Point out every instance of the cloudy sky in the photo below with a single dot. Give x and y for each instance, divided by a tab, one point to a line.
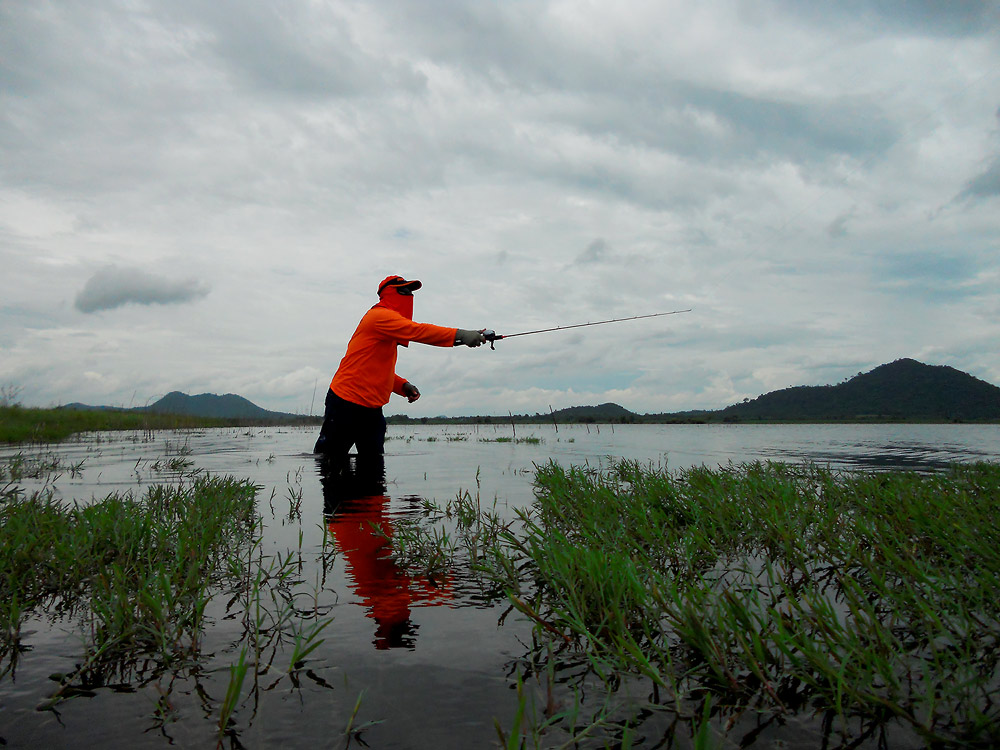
203	196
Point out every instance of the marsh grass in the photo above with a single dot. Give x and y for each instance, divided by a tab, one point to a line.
49	466
748	594
281	626
135	571
460	533
529	440
19	424
136	574
463	437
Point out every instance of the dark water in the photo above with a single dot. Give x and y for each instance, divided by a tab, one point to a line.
426	658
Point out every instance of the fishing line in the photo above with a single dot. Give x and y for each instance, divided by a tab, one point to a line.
493	336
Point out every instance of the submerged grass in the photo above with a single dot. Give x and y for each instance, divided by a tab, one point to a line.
136	571
529	440
137	575
760	591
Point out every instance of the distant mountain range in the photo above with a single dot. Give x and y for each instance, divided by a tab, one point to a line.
229	406
898	391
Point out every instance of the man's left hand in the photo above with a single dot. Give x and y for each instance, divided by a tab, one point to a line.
411	392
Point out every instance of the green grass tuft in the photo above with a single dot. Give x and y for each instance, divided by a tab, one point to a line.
865	599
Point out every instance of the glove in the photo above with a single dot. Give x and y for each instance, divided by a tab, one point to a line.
411	392
469	338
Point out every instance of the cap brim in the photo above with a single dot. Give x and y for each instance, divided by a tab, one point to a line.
411	285
401	283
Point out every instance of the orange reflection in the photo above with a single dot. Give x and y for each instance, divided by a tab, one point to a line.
356	513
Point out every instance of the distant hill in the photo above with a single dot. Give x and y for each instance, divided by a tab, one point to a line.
77	406
602	413
229	406
904	389
898	391
901	390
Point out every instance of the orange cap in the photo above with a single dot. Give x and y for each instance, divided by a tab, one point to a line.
398	282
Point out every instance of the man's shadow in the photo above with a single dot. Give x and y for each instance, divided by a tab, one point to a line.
356	514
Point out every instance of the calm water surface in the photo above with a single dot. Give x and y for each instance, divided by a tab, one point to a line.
428	659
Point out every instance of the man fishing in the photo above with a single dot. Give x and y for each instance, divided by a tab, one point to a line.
367	375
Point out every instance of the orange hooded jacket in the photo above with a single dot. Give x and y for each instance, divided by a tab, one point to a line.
367	373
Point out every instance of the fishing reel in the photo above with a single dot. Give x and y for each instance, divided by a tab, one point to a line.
491	336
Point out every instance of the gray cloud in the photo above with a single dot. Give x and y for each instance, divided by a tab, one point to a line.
673	119
956	18
596	252
985	185
292	49
838	227
113	287
934	275
637	98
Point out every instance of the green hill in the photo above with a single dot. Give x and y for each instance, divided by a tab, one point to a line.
209	405
229	406
602	413
904	389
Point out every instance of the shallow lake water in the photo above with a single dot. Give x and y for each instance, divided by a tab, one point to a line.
428	660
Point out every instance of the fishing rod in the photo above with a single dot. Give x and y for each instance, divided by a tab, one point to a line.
492	336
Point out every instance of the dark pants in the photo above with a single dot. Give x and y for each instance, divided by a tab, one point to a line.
346	424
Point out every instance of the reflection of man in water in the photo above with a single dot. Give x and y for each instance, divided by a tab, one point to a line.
355	508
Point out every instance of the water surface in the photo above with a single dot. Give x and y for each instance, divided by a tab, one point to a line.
427	658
